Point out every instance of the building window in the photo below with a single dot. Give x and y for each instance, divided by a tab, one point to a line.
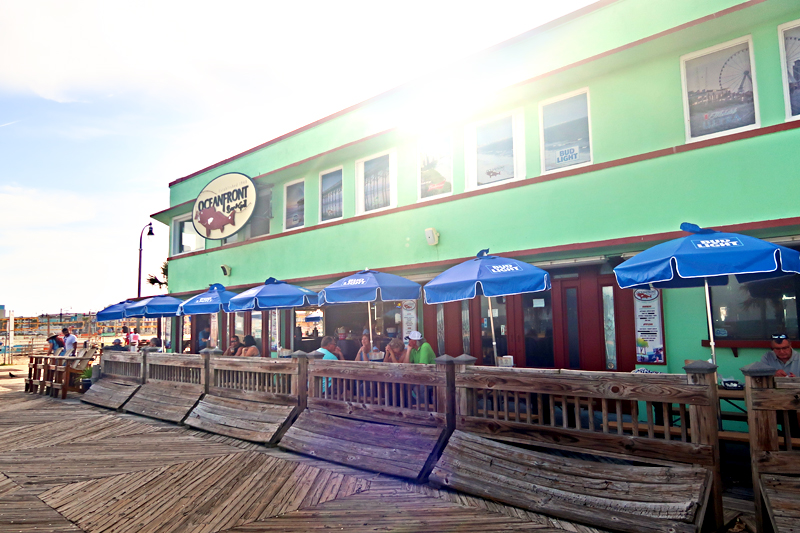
184	237
495	150
789	35
435	167
719	90
259	221
330	195
375	183
756	309
565	131
294	206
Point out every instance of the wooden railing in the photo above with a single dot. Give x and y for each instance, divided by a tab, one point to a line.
773	401
406	393
256	379
175	368
501	401
653	417
124	366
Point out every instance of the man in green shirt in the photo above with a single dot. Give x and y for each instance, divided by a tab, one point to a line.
419	350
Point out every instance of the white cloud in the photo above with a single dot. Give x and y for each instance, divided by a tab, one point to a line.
66	250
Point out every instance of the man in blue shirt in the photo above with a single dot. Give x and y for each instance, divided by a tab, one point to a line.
203	338
331	352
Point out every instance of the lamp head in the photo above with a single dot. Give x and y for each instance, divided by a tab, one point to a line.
150	230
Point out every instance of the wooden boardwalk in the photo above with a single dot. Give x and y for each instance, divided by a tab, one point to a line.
69	467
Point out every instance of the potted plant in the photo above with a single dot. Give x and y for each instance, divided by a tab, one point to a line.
86	379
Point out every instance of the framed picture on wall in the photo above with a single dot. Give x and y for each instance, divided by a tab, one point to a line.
294	209
330	195
719	90
789	35
435	167
565	131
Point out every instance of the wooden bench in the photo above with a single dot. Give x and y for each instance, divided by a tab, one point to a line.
387	418
121	375
664	482
67	374
250	398
173	384
775	462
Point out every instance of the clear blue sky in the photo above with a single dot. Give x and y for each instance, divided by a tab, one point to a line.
103	103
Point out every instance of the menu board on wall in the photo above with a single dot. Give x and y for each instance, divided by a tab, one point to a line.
409	317
649	327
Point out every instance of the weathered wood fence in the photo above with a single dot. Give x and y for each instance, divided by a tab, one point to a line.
775	462
660	419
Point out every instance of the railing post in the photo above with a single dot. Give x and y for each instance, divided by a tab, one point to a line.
762	426
705	426
205	379
464	395
300	385
446	396
144	376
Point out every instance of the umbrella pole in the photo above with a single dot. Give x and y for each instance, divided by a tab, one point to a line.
369	320
710	324
292	326
491	324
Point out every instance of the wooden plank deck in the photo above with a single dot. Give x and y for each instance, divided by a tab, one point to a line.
69	467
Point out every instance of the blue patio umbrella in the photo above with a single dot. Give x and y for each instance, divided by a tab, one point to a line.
114	312
155	307
706	257
490	276
214	300
273	294
369	286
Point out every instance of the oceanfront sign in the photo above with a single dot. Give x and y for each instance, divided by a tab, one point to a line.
224	206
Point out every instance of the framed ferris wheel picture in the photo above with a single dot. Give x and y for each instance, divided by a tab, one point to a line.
719	90
789	37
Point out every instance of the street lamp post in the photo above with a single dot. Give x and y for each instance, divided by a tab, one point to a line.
149	228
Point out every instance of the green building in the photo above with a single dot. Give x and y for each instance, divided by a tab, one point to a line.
572	146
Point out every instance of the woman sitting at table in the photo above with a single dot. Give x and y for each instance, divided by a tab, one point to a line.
250	349
394	351
365	350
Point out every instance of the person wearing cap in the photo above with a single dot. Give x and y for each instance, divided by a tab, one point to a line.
782	357
116	346
419	350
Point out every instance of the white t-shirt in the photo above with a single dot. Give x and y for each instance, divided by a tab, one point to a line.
69	343
134	339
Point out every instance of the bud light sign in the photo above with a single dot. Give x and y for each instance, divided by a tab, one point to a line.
498	269
702	244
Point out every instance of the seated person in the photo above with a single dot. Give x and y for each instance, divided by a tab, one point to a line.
250	349
365	350
116	346
419	350
234	348
155	342
329	349
395	351
782	357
